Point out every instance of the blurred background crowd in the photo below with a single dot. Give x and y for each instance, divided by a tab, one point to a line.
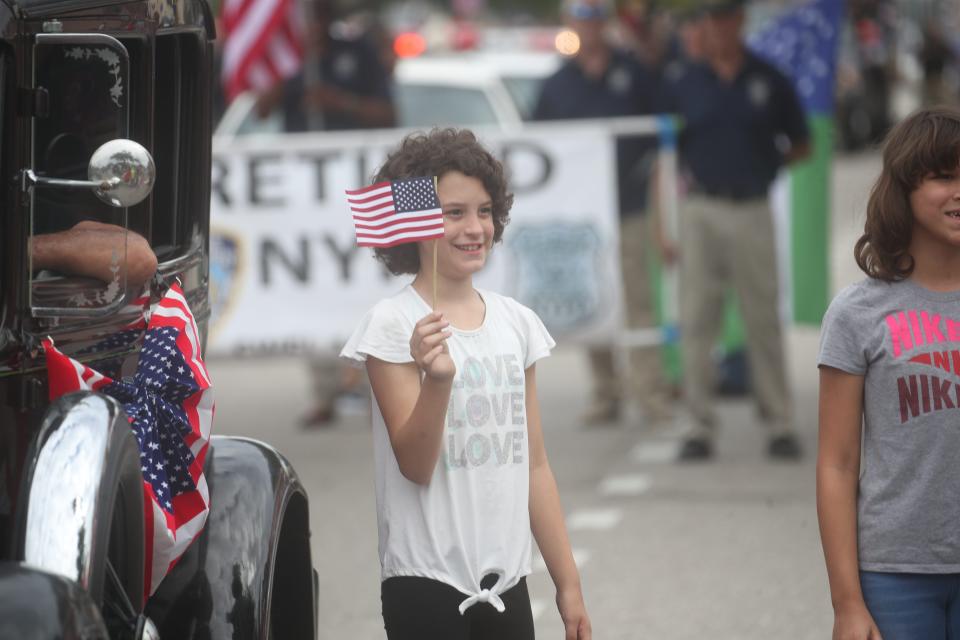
893	56
298	66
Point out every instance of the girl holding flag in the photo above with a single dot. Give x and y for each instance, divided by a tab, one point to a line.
462	476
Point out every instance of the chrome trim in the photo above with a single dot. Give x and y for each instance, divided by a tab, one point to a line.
146	630
63	502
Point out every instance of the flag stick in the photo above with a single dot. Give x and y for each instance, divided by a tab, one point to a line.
435	247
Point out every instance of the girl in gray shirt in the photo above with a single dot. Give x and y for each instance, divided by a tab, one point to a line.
888	478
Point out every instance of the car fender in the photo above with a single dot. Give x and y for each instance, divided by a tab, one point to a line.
249	574
37	605
71	481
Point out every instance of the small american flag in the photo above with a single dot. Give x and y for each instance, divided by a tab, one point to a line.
390	213
170	406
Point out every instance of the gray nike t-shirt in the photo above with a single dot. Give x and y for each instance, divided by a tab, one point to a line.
905	341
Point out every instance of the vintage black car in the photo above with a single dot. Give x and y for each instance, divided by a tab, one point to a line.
76	75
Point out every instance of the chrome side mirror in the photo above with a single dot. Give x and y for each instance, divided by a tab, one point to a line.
121	173
126	169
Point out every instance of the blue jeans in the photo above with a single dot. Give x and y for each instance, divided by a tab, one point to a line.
913	606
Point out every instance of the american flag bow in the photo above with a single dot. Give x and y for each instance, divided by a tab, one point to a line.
170	406
262	45
390	213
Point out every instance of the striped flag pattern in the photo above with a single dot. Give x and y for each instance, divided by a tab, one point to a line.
263	44
169	404
390	213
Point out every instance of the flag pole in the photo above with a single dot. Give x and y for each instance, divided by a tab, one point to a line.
435	301
435	247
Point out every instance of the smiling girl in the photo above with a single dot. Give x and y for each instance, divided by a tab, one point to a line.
462	476
890	387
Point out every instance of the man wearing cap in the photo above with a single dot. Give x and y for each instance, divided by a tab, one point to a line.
600	81
742	122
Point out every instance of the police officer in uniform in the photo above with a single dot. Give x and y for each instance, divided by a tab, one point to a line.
601	81
342	85
742	122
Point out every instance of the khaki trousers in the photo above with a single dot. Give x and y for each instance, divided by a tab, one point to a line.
644	382
724	243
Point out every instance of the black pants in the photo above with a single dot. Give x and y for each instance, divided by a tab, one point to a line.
425	609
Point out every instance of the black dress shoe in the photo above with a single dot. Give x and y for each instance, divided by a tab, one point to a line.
785	447
319	418
694	449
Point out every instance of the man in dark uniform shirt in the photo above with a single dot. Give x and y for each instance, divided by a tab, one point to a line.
601	81
342	85
742	122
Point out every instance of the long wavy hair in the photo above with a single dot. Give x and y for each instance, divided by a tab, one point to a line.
926	142
435	153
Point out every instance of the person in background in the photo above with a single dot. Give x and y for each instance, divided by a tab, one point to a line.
875	43
742	123
887	473
645	30
344	84
601	81
684	48
937	57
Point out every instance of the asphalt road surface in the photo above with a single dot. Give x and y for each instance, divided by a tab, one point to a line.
727	550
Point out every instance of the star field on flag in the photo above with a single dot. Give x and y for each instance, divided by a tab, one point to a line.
169	404
802	43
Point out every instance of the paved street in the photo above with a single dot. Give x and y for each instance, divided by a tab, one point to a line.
727	550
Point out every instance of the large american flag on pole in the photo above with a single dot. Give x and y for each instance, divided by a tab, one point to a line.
262	44
390	213
170	406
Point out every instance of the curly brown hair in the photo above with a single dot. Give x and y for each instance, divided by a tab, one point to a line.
435	153
926	142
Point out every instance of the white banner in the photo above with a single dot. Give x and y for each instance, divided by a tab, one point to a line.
286	274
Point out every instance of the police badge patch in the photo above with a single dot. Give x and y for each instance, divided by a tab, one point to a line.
758	89
558	273
226	251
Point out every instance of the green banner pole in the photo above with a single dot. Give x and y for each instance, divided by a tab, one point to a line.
810	184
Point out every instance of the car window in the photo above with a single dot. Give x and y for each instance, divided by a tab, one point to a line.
88	90
524	91
427	105
86	79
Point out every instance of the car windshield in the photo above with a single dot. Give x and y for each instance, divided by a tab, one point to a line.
426	105
524	91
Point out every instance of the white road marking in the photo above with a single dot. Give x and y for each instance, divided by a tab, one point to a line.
538	606
594	519
625	485
580	558
657	451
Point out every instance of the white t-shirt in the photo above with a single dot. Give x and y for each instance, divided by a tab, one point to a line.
472	519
